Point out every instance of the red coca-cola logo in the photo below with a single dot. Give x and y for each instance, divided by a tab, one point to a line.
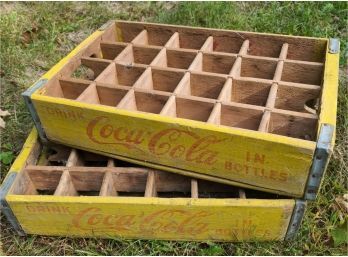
162	221
167	142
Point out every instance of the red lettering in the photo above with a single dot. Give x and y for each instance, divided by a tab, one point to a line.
106	131
283	176
273	175
177	151
113	135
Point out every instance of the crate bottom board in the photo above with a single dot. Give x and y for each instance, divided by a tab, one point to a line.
151	218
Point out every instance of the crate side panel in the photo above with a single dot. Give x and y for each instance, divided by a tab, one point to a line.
29	152
328	112
218	153
175	219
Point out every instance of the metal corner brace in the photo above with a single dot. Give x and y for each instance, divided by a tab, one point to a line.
5	208
320	161
27	99
334	45
296	219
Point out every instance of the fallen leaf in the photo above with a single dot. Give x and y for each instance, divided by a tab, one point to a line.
27	36
342	202
3	114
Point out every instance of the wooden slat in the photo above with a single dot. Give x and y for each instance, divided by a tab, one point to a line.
263	127
169	109
208	45
215	115
226	92
160	59
111	163
66	186
272	96
197	64
173	42
110	50
278	71
241	193
194	188
128	101
284	51
126	56
141	38
245	47
280	65
107	188
150	190
74	159
23	185
236	68
90	95
145	80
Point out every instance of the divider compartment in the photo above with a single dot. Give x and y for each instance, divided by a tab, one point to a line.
249	92
227	44
137	54
121	75
258	68
66	88
293	125
110	50
152	36
239	116
186	40
159	79
191	109
260	46
299	98
201	85
174	58
214	63
303	73
89	68
144	102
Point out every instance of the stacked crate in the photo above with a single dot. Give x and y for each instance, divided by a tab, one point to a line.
252	111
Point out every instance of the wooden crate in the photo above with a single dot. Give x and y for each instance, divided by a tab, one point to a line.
56	190
248	109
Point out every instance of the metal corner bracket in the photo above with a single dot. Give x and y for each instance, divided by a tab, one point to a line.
334	45
5	208
296	219
27	99
320	161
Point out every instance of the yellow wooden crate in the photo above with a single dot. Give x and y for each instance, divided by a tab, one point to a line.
247	109
59	191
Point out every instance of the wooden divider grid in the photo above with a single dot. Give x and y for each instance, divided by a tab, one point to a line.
201	78
86	174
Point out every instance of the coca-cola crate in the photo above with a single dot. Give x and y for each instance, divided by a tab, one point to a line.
59	191
248	109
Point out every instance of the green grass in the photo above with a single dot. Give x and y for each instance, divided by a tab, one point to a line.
34	36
